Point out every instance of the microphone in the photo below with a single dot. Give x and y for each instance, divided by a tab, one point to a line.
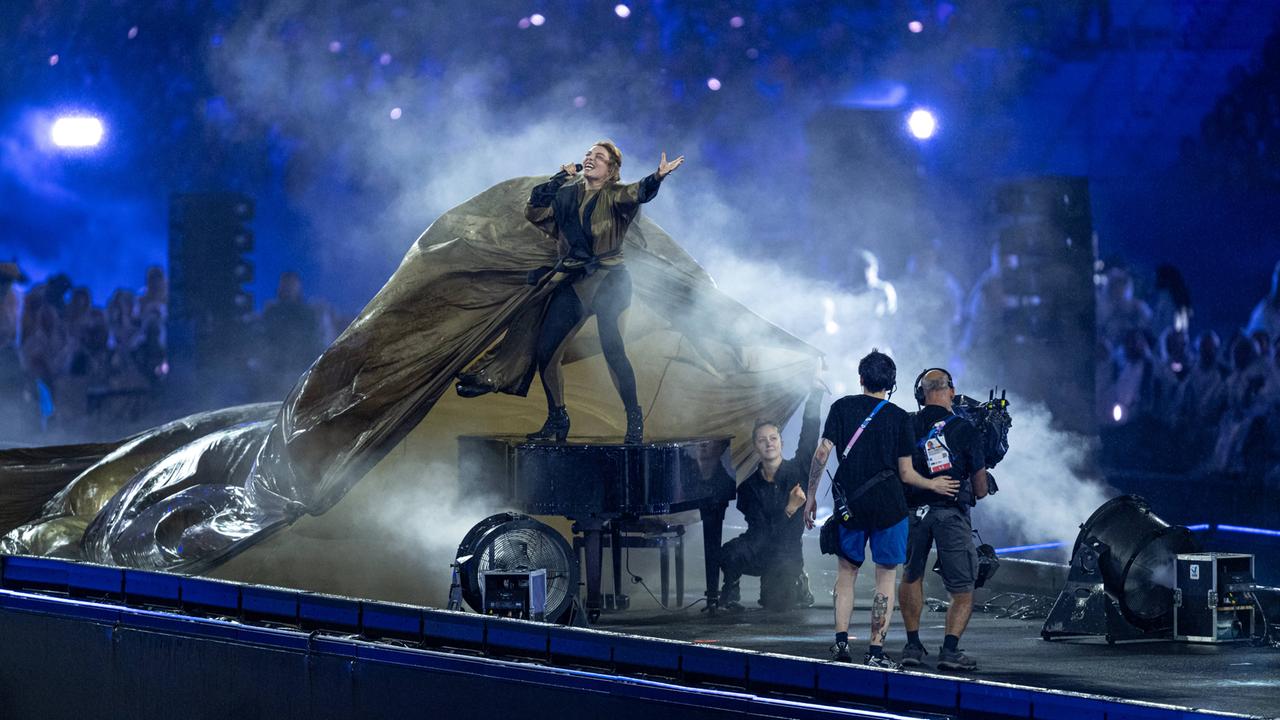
578	166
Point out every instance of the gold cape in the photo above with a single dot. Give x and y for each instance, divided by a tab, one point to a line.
705	365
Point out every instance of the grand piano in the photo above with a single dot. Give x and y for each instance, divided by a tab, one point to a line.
600	484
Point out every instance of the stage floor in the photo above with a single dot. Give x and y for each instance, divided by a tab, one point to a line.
1233	677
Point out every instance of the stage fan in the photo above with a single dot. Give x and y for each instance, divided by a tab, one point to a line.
511	542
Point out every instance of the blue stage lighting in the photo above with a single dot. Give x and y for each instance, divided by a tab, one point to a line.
1026	548
77	131
1248	530
922	124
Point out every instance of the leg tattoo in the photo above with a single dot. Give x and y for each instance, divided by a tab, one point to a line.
879	618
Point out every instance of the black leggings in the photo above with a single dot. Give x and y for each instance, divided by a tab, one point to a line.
566	313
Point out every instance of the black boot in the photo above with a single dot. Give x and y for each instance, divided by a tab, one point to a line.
470	386
555	428
635	426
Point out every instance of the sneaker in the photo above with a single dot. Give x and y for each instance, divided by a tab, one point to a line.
913	655
804	596
881	661
840	652
730	593
956	660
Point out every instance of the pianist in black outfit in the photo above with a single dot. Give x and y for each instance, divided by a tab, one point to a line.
771	500
588	212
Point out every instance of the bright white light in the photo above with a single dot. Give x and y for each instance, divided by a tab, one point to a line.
1117	413
829	316
395	113
915	26
622	11
536	20
77	132
713	83
53	60
922	124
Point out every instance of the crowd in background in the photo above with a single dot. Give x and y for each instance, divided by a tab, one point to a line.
71	368
1171	399
1182	400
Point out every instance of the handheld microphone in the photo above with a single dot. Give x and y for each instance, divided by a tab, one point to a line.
578	166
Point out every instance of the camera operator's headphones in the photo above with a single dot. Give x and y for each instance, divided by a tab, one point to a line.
919	383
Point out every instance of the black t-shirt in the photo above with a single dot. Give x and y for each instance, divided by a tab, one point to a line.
965	446
886	439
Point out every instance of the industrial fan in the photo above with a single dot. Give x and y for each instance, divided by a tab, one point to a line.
511	542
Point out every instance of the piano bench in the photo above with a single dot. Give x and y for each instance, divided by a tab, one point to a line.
644	533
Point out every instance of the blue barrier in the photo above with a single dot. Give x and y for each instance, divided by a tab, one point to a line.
27	581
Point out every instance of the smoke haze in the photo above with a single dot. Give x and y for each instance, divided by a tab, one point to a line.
370	168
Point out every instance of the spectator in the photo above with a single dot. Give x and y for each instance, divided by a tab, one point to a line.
1204	393
47	350
1247	405
77	311
1119	312
153	307
1172	307
295	335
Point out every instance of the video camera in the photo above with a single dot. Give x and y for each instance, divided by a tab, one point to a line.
993	421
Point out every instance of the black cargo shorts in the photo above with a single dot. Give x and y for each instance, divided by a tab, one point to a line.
950	529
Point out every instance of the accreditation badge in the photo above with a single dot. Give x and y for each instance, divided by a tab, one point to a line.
936	454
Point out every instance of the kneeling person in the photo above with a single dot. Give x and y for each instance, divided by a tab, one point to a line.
771	499
951	445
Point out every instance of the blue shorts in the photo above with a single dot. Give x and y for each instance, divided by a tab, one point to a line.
888	546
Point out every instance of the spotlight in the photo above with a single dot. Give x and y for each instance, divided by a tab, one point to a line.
915	26
53	59
1117	413
78	131
621	10
713	83
396	113
736	21
1121	582
537	20
922	124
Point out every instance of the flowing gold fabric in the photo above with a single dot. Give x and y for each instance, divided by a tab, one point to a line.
704	365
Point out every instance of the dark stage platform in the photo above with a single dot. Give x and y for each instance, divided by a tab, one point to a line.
1233	678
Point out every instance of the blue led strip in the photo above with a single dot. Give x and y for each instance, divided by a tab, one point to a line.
1194	528
1025	548
1248	530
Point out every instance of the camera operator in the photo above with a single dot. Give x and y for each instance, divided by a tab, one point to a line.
950	445
771	499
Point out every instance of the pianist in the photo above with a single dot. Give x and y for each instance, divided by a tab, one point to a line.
771	499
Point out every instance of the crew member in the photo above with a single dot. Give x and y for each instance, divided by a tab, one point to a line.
771	499
874	440
944	444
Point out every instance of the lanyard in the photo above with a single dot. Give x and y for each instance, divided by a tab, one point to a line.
934	431
858	433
